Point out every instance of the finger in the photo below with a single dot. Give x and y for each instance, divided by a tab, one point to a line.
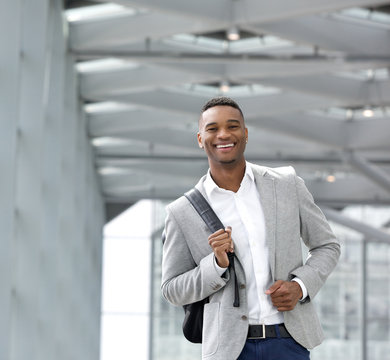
218	232
215	243
280	292
287	290
280	300
284	308
220	237
228	230
221	254
275	286
221	248
286	303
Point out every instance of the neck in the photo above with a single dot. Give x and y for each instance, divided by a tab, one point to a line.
228	177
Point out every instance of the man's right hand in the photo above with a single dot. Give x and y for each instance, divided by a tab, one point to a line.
221	243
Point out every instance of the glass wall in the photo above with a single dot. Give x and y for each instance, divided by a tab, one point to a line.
126	284
354	304
167	341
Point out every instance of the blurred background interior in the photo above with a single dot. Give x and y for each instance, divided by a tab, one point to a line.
99	103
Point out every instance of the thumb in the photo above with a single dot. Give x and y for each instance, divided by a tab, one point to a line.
275	286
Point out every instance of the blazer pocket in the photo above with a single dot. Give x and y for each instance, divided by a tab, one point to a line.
210	339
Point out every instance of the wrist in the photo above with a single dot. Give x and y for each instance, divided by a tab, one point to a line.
299	286
222	263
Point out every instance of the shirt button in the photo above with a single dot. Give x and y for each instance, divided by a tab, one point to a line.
243	317
242	286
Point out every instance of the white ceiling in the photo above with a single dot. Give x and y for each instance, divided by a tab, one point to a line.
303	71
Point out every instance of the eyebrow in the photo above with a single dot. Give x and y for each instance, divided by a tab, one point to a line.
230	120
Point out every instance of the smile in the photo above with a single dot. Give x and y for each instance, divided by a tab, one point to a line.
224	146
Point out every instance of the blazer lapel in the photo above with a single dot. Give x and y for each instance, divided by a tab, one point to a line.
266	187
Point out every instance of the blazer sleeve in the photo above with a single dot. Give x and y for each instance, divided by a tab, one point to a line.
324	248
184	281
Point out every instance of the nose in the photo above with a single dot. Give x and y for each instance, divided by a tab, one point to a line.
223	133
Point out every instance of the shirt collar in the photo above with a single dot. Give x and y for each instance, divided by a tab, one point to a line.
210	186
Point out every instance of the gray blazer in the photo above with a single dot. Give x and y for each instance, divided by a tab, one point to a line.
189	275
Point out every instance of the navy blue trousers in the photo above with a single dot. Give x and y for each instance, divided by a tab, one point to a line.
273	349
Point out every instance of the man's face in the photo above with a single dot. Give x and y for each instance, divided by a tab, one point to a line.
222	134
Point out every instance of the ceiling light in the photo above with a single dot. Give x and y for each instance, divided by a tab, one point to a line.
368	112
370	74
224	87
349	114
233	34
331	178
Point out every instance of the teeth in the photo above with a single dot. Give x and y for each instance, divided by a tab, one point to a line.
224	146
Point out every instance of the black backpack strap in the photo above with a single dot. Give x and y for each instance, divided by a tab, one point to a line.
204	209
208	215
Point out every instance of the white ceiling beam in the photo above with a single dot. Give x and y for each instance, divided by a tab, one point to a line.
352	189
350	90
245	69
163	99
373	172
369	232
217	57
332	32
157	166
141	184
169	136
138	149
250	11
370	134
200	9
282	103
112	82
358	135
273	73
304	127
286	102
273	70
126	80
245	11
120	123
121	30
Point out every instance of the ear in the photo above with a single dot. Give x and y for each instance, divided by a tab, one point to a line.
246	134
200	140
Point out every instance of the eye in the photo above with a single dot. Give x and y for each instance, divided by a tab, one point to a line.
211	129
233	127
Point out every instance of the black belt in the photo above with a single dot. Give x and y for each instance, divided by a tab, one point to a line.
267	331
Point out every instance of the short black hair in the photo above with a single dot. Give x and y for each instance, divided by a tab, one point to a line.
221	101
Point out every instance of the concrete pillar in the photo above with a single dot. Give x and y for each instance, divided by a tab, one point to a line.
52	210
10	30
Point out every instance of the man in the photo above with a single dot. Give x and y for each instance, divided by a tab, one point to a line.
266	213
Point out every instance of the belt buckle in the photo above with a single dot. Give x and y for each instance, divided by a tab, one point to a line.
263	326
259	337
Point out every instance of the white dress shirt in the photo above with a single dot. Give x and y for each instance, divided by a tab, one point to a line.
242	211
